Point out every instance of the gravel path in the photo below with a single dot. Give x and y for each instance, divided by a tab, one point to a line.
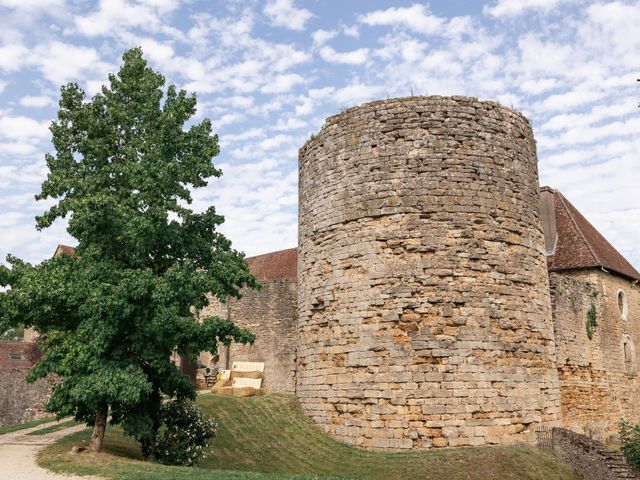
18	454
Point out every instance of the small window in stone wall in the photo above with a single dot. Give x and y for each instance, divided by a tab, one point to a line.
629	352
622	304
16	356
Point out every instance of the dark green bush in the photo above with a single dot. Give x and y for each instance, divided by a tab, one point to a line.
183	435
630	440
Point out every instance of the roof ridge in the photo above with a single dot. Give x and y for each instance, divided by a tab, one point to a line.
271	253
578	229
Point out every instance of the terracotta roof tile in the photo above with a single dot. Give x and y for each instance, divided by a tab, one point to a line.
280	265
64	250
579	244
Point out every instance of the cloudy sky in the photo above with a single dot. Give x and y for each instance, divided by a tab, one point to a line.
268	73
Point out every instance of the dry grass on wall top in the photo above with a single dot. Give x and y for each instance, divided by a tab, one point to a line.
269	438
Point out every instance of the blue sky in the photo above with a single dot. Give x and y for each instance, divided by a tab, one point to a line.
268	73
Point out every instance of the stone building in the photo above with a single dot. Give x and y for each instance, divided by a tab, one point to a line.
443	298
438	297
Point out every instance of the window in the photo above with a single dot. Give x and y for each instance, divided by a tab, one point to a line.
629	352
622	304
16	356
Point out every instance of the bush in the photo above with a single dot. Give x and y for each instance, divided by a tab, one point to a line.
183	434
630	439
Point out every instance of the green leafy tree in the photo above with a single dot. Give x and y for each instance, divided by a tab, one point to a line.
111	315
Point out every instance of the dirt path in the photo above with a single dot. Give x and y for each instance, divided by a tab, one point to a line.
18	454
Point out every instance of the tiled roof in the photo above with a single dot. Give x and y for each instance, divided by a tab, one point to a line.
578	244
15	354
280	265
64	249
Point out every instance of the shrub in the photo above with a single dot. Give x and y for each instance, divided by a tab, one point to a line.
630	440
183	434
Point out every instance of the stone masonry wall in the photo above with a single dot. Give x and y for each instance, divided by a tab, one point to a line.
21	401
271	314
589	457
597	386
424	308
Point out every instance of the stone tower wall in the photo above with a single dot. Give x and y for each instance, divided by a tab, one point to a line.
423	300
597	386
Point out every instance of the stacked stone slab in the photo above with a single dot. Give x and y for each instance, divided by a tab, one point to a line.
424	308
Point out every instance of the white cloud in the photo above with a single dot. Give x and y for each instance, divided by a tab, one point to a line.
283	13
579	96
275	142
538	56
357	93
354	57
117	17
351	31
596	114
320	37
33	5
13	57
512	8
62	62
8	219
283	83
539	85
227	119
290	124
591	134
243	136
36	101
18	148
417	18
23	128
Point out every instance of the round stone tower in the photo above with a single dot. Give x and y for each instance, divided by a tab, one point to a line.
424	311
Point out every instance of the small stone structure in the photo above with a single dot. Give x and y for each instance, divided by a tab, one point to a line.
270	313
20	401
589	457
244	379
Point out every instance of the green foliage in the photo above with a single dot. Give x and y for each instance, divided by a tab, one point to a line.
592	321
13	333
630	440
111	315
183	435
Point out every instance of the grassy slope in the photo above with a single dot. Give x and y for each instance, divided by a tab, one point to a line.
23	426
271	435
55	427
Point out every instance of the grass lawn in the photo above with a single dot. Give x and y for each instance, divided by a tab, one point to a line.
269	438
23	426
55	427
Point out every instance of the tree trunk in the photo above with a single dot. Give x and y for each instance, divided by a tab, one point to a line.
95	445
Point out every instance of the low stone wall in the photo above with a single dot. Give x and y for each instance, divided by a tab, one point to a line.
21	401
269	313
589	457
